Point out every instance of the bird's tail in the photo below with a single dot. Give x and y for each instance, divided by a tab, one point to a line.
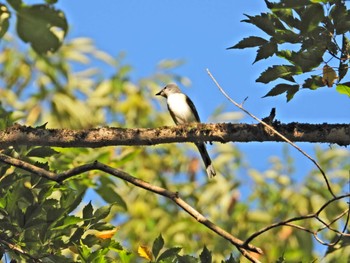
206	159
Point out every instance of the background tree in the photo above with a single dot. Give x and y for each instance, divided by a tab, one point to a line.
43	221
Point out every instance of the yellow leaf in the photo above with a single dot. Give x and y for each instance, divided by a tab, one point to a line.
145	252
329	76
107	233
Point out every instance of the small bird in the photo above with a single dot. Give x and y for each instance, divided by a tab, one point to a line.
182	110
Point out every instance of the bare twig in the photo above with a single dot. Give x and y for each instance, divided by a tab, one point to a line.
272	129
304	217
242	246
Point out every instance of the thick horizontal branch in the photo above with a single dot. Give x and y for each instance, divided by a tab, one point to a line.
221	132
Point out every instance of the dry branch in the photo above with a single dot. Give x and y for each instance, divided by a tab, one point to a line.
221	132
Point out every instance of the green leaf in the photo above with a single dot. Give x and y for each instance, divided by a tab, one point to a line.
279	89
263	21
251	41
4	19
186	259
286	15
70	201
305	60
311	18
231	259
205	256
42	26
286	36
266	50
42	126
88	211
42	152
288	4
291	92
75	238
102	212
68	221
169	253
125	256
344	88
340	16
343	69
314	82
279	71
107	191
157	245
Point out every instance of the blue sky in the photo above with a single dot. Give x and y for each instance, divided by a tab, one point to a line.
198	32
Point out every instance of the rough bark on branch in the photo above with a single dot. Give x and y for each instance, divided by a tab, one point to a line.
221	132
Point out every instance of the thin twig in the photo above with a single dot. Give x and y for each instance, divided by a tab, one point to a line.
242	246
299	218
274	131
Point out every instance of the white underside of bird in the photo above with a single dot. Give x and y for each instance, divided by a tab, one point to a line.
178	105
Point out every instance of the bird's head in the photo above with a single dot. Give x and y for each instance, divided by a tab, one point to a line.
169	89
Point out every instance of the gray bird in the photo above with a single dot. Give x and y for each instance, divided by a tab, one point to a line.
182	110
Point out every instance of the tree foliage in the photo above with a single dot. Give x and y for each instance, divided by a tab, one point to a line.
94	217
307	36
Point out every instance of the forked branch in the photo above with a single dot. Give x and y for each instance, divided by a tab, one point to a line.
242	246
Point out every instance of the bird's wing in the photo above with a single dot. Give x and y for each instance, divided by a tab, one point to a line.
193	108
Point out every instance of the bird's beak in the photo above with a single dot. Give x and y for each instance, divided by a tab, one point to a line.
160	93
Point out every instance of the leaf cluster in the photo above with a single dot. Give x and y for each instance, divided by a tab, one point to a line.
37	224
41	25
304	34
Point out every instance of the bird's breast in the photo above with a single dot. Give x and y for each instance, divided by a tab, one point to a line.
179	109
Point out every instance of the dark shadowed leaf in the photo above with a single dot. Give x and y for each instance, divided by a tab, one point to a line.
231	259
266	50
87	211
312	16
186	259
345	51
286	15
291	92
340	16
157	245
263	21
343	69
42	152
249	42
169	253
102	212
283	4
279	71
205	256
42	26
286	36
314	82
279	89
